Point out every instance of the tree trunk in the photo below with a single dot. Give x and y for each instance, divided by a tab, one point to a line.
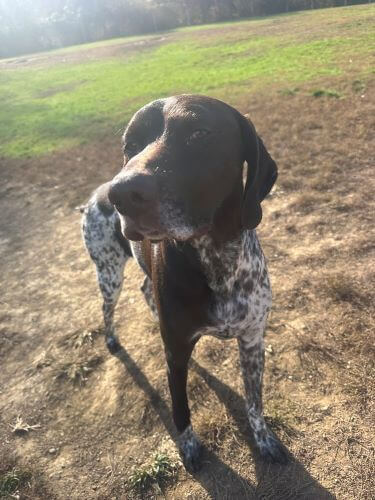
187	14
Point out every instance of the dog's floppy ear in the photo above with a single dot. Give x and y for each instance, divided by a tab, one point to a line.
261	174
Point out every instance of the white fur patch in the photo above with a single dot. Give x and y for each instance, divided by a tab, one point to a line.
237	274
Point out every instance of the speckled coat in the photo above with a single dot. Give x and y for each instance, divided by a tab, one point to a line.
236	273
179	207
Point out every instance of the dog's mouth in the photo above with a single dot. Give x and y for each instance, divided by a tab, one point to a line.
137	231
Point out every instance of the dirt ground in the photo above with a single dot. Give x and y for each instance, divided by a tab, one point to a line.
81	421
84	54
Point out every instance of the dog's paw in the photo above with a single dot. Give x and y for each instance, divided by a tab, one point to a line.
272	451
190	450
113	344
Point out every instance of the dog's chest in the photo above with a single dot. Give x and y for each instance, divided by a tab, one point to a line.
237	275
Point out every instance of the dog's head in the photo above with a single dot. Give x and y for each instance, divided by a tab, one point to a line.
183	162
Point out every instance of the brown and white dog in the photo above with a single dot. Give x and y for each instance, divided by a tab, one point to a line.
180	208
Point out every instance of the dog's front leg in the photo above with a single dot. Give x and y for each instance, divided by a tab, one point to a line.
251	349
177	361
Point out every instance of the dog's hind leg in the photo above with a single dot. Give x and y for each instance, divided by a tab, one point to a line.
100	229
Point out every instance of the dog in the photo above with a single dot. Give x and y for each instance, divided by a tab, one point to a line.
179	206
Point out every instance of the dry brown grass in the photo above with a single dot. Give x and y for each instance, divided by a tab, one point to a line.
344	288
76	370
319	388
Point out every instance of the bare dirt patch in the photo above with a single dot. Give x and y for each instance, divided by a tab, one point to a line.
83	55
95	420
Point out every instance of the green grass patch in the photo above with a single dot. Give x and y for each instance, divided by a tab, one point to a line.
358	86
44	109
154	476
325	93
12	481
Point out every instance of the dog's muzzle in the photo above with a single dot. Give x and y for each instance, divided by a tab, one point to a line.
136	199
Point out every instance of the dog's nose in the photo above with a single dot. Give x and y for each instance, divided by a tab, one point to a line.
133	195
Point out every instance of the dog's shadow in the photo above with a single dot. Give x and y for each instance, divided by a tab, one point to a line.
275	482
290	482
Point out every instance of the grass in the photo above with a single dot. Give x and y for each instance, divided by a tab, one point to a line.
326	93
154	475
22	427
44	109
343	288
85	46
358	86
281	419
308	201
11	481
76	370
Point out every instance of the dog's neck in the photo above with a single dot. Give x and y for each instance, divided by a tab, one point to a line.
226	249
223	265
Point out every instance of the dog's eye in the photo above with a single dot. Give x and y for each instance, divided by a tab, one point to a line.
130	147
198	134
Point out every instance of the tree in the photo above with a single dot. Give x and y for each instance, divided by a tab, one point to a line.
32	25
